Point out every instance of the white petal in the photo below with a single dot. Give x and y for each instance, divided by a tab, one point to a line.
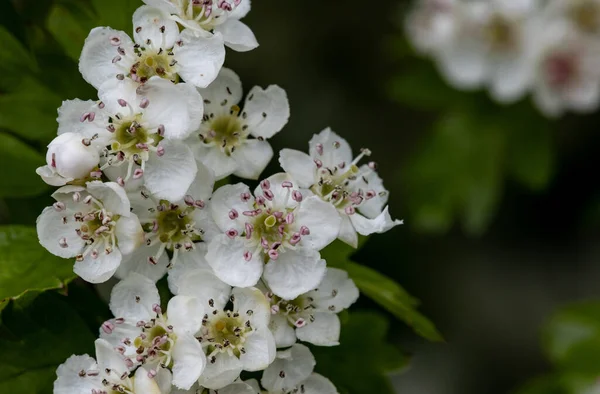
148	23
69	119
202	187
380	224
164	5
95	63
226	257
225	370
252	299
225	199
255	386
118	333
347	232
237	36
163	379
98	270
321	218
281	195
68	380
260	350
187	264
283	332
185	314
51	230
145	384
323	331
204	220
171	105
134	297
188	361
238	388
317	384
113	90
241	10
130	235
51	177
113	197
297	363
336	150
170	176
252	158
223	92
294	272
200	58
109	358
212	157
373	207
299	166
137	262
335	293
268	110
70	157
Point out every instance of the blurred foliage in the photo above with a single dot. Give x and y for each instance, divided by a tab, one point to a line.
474	145
571	341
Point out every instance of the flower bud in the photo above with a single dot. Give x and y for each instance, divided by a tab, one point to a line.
70	157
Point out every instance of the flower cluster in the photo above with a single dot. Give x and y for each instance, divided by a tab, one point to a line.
136	170
549	48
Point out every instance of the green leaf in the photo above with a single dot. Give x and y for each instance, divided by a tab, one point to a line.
14	58
38	334
360	364
116	13
30	111
69	28
542	385
18	163
381	289
25	265
531	154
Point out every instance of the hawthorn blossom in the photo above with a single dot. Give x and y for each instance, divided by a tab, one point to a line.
278	226
83	374
70	157
208	17
145	335
170	226
312	317
331	173
431	23
139	131
158	49
291	373
93	224
224	142
567	71
582	15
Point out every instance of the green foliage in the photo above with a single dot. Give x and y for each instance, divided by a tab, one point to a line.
360	364
381	289
25	265
38	333
18	163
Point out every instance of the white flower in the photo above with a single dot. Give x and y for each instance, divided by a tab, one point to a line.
82	374
491	44
141	132
312	317
331	174
280	227
69	157
431	24
567	70
234	388
583	15
236	340
92	224
158	50
144	335
224	144
208	17
173	226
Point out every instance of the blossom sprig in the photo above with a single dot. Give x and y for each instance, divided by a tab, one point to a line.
512	47
137	170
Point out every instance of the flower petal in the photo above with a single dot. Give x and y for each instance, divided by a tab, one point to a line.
69	119
212	157
294	272
170	176
260	350
228	198
299	166
380	224
113	90
108	358
347	232
335	149
113	197
323	331
268	110
144	383
185	314
237	36
283	332
51	177
95	63
154	24
223	371
241	10
68	380
130	234
188	361
252	158
98	270
317	384
223	92
336	292
321	218
200	58
137	261
226	257
252	299
297	363
134	297
203	185
52	230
